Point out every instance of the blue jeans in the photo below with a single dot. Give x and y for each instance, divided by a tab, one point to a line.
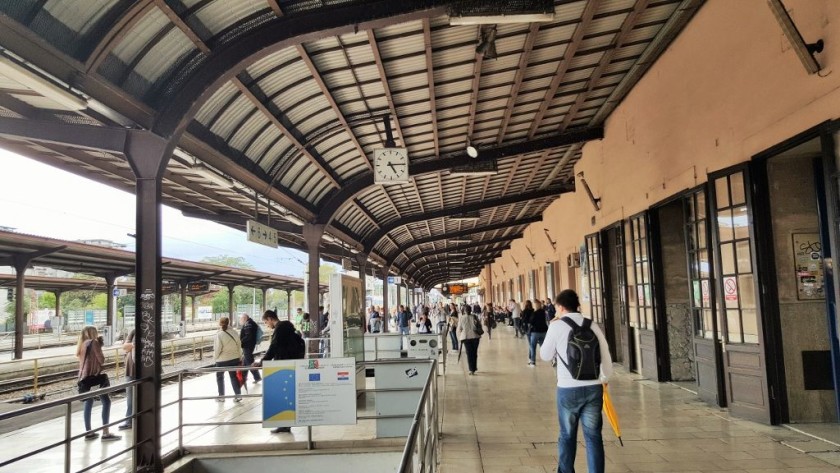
580	404
88	407
453	338
405	330
536	337
129	401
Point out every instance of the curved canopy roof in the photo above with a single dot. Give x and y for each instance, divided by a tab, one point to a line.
283	102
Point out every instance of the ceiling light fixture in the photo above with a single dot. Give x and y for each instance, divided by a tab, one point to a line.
472	151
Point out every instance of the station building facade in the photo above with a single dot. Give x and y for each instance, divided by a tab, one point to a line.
706	247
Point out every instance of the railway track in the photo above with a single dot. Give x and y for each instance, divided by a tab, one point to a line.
27	384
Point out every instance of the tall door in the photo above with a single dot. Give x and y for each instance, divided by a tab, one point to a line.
614	289
640	301
706	340
744	362
597	289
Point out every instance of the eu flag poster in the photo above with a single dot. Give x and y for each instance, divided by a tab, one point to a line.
316	391
279	402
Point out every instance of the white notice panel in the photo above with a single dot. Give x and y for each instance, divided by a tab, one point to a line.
262	234
318	391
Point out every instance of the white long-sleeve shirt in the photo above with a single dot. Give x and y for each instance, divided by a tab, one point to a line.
556	342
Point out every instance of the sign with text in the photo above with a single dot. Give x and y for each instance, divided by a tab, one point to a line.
318	391
262	234
198	286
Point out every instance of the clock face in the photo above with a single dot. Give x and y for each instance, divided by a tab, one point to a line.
390	165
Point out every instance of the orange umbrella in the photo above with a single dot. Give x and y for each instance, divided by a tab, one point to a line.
609	411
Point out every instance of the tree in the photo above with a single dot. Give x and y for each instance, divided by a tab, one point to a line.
229	261
47	300
326	270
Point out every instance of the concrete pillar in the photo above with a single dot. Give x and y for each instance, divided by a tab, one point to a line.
230	288
60	324
262	304
289	305
193	308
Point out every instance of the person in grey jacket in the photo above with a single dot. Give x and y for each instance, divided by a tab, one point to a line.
468	326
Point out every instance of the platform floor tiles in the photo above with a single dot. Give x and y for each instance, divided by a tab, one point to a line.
504	419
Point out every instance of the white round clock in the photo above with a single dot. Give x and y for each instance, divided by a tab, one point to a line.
390	165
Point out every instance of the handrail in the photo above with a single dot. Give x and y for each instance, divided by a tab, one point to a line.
419	442
415	424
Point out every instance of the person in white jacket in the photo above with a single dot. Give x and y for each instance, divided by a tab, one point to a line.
227	351
577	400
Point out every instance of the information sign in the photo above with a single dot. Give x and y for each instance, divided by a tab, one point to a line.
198	286
318	391
262	234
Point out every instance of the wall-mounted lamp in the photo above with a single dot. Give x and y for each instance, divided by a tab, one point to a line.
487	44
533	255
804	50
515	262
553	242
596	202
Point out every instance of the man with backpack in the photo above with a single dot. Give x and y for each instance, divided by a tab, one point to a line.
250	336
584	365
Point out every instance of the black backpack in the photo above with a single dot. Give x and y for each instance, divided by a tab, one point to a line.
583	351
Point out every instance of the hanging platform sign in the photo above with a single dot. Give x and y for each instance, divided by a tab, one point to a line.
318	391
262	234
808	266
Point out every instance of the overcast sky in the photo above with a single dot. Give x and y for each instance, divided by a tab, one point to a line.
41	200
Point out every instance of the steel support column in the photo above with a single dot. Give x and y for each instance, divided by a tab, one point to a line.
147	154
60	325
111	316
361	260
20	322
183	304
386	314
193	309
262	304
230	288
312	236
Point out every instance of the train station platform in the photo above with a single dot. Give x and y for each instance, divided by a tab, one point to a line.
503	419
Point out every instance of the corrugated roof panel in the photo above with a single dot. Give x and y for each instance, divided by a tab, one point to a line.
405	66
418	77
292	177
589	60
166	52
455	35
618	69
412	45
234	114
269	62
78	16
413	108
569	11
216	102
260	145
305	88
273	83
459	87
221	14
643	34
139	36
510	61
247	130
323	118
400	28
610	6
630	51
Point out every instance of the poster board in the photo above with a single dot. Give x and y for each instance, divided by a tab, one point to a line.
808	266
316	391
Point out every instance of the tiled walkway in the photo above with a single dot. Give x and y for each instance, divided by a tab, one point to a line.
504	419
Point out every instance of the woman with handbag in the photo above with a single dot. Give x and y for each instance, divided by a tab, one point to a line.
227	351
469	333
91	359
488	319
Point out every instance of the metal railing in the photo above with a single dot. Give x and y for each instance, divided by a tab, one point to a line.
419	455
69	437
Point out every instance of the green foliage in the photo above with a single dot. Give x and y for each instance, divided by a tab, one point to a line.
99	301
47	300
229	261
325	270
